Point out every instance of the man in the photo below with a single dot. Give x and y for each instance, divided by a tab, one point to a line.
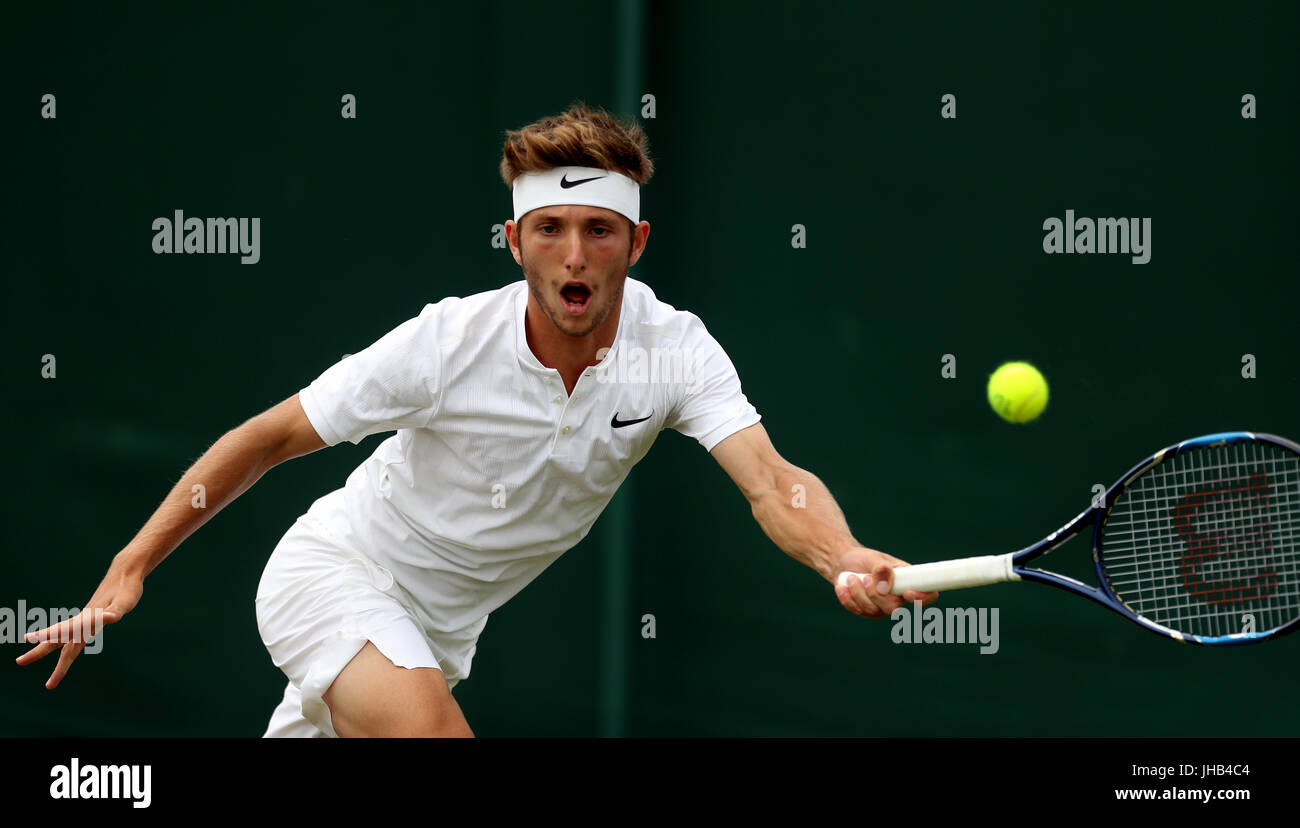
517	416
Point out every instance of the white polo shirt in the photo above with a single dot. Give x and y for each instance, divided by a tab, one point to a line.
494	470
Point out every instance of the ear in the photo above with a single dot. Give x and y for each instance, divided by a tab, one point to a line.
512	238
640	234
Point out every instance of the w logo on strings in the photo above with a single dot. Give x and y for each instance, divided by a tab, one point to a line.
1223	519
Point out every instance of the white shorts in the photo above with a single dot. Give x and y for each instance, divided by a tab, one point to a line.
318	604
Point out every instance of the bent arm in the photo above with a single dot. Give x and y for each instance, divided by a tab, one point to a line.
225	471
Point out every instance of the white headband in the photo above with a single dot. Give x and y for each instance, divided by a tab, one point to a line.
587	186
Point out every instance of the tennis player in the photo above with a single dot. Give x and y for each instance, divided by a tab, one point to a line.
517	412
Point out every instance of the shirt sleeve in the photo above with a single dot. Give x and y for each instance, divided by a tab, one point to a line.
393	384
711	407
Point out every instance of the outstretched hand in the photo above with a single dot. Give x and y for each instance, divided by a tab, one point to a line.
871	595
117	595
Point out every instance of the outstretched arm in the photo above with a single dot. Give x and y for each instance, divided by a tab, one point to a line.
225	471
797	512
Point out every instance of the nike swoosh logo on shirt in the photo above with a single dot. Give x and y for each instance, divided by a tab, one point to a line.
565	183
617	423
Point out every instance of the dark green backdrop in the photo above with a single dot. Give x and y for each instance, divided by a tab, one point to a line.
923	239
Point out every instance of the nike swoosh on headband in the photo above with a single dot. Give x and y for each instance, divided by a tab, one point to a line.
566	183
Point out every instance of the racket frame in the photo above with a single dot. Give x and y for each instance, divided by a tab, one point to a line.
1095	518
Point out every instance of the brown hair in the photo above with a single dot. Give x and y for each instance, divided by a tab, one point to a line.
578	137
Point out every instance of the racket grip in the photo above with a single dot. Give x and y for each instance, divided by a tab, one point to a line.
958	574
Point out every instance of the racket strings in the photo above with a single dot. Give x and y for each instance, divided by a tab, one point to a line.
1205	543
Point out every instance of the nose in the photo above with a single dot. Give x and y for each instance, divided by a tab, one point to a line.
575	258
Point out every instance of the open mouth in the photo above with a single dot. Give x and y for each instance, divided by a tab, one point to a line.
576	298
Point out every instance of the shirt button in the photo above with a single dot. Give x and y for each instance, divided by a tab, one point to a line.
566	429
558	398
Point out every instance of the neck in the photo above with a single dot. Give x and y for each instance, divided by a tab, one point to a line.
569	355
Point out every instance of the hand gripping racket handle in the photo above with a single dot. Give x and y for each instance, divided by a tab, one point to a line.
958	574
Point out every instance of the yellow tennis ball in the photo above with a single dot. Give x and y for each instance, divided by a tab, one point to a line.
1017	392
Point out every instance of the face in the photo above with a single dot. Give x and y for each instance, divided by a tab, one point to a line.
576	259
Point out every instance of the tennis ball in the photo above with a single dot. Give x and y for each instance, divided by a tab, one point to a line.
1017	392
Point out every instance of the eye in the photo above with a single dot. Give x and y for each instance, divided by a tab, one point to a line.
601	232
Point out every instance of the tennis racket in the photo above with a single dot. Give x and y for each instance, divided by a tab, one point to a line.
1198	542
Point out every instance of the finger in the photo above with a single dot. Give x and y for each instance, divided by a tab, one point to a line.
842	595
856	594
926	598
881	595
854	597
69	654
95	620
37	653
52	633
78	628
60	632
